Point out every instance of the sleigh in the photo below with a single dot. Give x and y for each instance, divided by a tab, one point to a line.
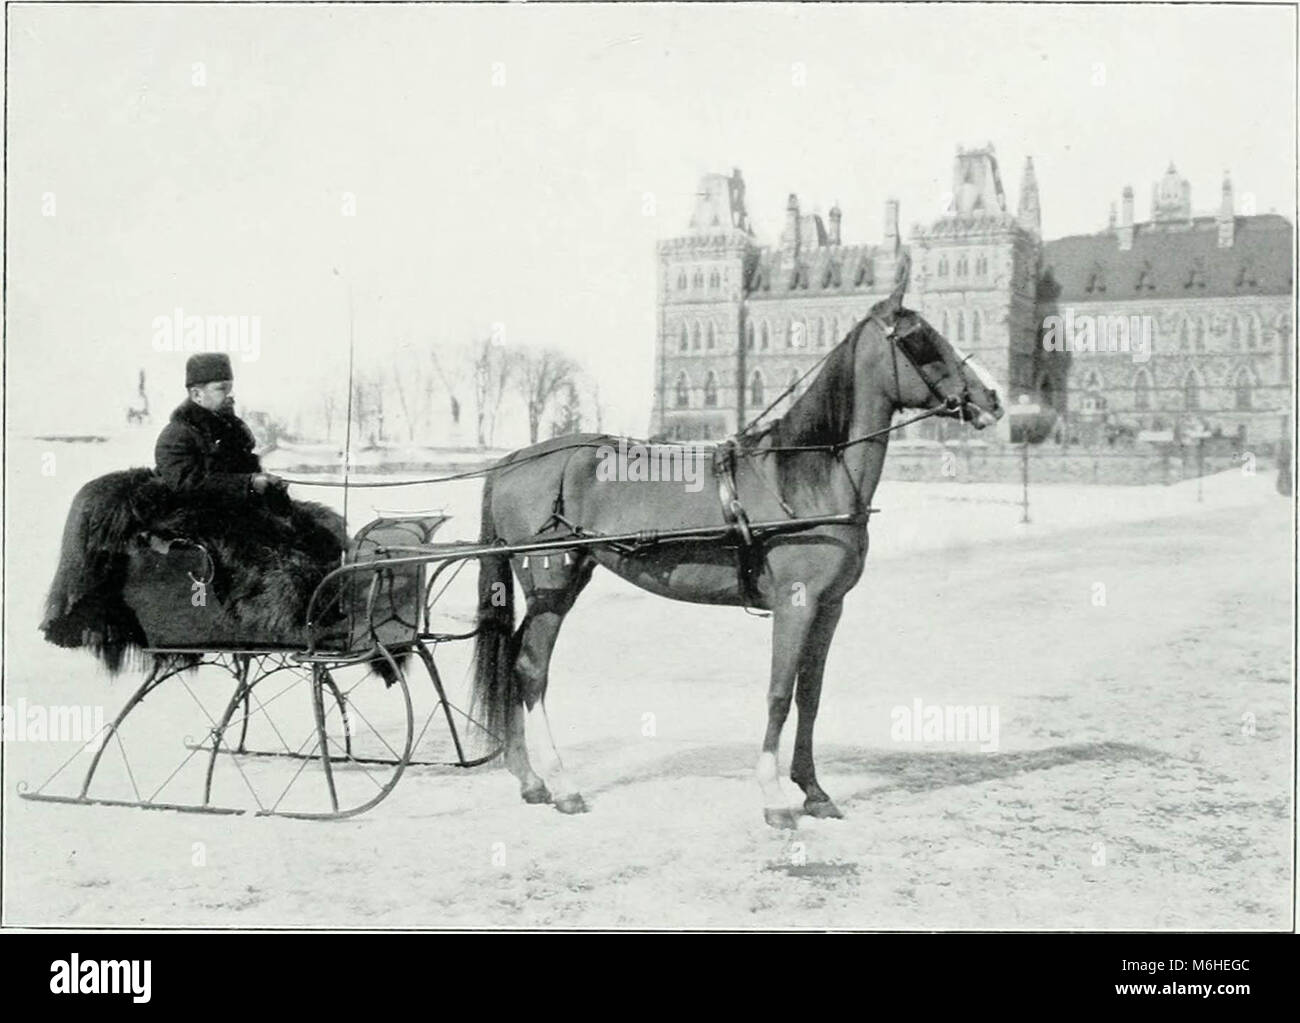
367	625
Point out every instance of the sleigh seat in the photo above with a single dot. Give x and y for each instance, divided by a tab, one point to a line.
173	586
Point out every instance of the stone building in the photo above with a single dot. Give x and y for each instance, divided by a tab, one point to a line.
1213	294
739	321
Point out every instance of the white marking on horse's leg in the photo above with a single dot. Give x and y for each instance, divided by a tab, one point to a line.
545	755
769	780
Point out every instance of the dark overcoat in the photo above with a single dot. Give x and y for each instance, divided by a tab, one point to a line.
202	452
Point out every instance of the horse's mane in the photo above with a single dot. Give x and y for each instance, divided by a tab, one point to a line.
822	415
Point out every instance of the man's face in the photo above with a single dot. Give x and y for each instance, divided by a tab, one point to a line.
218	396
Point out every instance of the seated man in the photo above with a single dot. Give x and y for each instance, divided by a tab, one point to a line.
208	450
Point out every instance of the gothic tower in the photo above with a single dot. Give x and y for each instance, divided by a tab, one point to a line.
979	269
701	281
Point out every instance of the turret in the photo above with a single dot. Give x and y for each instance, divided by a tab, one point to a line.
1027	212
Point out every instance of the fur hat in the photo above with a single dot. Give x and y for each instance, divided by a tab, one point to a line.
206	367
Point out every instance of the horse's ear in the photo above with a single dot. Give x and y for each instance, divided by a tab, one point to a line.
902	274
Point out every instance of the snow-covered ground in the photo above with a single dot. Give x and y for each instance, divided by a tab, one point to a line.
1136	643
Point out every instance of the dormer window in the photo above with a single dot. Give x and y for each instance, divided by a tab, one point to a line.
1246	276
1146	280
1096	279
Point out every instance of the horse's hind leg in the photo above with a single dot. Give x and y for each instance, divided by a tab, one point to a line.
535	643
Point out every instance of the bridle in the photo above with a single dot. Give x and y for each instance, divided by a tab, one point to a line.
948	405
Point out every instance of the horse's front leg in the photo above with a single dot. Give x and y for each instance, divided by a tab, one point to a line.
808	694
790	629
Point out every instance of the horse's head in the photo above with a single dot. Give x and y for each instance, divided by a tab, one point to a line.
924	370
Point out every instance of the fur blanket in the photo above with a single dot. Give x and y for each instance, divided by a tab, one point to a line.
268	560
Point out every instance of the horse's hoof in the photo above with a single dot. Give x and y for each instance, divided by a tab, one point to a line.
571	804
537	794
823	808
783	818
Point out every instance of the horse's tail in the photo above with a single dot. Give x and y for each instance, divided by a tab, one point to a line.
496	688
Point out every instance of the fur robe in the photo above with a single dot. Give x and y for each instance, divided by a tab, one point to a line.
268	559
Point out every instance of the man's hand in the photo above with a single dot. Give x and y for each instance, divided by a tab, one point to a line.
261	482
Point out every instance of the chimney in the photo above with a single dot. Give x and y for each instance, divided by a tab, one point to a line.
891	226
835	224
1227	215
790	236
1126	220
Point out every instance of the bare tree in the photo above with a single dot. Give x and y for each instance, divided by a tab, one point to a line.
451	371
491	374
568	411
329	403
543	373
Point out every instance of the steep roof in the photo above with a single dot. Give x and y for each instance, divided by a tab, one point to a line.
827	268
1172	260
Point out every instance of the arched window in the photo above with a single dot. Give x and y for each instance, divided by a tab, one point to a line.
765	337
715	281
1236	332
798	335
686	338
695	336
944	330
1184	335
975	327
1252	331
683	396
681	280
835	329
943	266
821	332
711	390
1191	392
1201	331
1093	398
712	339
961	266
756	390
1142	390
961	326
1243	385
749	335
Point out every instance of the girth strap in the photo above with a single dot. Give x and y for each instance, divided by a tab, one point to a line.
749	553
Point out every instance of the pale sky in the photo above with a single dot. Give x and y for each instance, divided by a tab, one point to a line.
520	201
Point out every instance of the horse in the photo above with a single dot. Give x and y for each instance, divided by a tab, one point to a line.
823	456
